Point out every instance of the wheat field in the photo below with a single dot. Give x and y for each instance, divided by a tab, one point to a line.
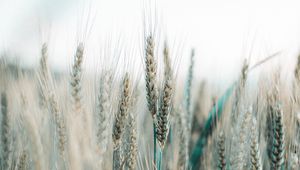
132	115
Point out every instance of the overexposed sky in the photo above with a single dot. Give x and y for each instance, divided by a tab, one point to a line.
223	32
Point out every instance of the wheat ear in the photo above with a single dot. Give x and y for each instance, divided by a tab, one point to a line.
188	89
44	69
103	110
5	133
151	88
132	157
221	151
165	103
51	99
278	139
23	161
183	141
59	123
76	78
120	119
255	159
297	71
239	92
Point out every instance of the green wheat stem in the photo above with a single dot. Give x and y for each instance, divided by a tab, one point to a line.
154	144
159	159
208	128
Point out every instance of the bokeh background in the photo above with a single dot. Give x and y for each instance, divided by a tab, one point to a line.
223	33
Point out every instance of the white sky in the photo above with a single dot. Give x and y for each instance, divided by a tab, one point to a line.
222	31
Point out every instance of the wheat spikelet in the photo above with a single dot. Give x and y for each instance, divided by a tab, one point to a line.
183	141
188	92
221	151
239	92
51	101
120	118
103	110
165	103
269	127
23	161
132	157
5	133
278	139
44	69
240	142
244	74
255	160
297	71
150	76
59	123
275	127
119	123
43	75
76	78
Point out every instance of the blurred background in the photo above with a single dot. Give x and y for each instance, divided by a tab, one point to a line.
224	33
